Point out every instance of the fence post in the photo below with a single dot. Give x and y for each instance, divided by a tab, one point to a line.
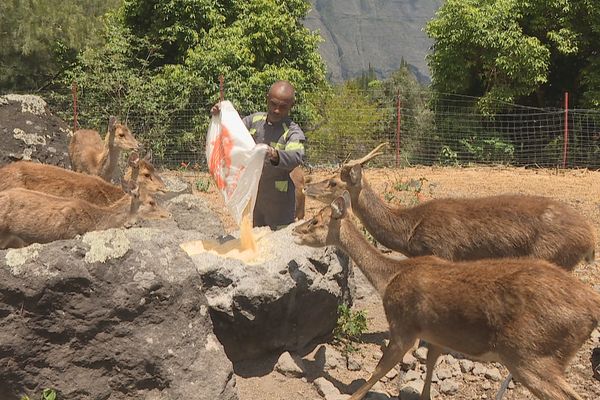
221	91
566	135
74	91
398	121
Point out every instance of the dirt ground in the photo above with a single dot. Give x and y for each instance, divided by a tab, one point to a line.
579	188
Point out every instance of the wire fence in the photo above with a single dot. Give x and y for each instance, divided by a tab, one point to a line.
420	130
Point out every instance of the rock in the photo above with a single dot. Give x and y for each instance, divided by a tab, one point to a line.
479	369
595	359
448	386
175	187
353	363
408	362
117	314
392	374
326	389
466	365
330	358
282	303
493	374
411	390
411	376
486	385
421	353
193	213
444	373
29	131
289	366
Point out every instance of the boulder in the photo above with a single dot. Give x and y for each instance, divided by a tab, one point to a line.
285	302
117	314
29	131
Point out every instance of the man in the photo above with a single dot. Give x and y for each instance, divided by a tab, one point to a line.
275	202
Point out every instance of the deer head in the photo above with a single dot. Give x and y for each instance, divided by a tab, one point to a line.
349	178
123	137
143	172
324	228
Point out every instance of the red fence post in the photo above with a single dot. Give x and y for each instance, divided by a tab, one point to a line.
74	91
566	137
398	121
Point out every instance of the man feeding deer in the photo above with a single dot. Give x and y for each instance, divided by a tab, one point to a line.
275	201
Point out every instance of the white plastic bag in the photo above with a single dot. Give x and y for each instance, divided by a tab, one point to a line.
234	160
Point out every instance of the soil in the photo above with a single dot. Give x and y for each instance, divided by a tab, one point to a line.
257	380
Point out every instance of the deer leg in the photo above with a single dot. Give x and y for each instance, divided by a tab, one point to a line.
433	353
503	387
392	355
546	383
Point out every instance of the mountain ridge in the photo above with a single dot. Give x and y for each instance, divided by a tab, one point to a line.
377	34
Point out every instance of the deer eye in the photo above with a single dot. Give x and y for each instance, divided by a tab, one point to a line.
147	175
332	183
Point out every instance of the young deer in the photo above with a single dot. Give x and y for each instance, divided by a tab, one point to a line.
465	229
525	313
28	216
90	155
65	183
297	176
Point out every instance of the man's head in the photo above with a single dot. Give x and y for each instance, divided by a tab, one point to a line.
280	99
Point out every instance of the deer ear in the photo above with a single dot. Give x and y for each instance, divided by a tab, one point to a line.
112	122
356	174
134	159
338	208
148	156
346	197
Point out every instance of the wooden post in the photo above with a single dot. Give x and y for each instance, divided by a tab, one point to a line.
221	92
398	122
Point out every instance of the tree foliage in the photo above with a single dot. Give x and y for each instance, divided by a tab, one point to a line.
511	50
168	55
39	38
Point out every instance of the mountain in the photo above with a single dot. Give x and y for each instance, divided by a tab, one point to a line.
359	34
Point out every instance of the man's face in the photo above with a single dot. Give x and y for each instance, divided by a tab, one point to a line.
278	106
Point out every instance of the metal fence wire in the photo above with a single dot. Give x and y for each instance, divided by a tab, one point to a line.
420	130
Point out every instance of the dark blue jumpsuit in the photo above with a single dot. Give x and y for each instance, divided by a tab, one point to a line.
276	201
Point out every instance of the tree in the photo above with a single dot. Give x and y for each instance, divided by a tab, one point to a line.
166	56
512	50
40	38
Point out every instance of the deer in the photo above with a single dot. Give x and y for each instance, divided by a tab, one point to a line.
461	229
297	176
27	216
525	313
91	155
62	182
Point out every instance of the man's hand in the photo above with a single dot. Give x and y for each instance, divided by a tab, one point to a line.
216	109
272	155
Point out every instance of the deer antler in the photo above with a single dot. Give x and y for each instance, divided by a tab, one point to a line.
374	153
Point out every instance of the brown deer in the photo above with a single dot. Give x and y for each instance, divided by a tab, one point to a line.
65	183
525	313
91	155
27	216
297	176
465	228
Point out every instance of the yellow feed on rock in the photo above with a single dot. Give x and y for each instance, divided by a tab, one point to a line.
244	249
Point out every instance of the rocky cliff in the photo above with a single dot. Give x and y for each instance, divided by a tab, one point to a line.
376	33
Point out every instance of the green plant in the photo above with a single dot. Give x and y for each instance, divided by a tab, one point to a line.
351	325
47	394
203	184
388	196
